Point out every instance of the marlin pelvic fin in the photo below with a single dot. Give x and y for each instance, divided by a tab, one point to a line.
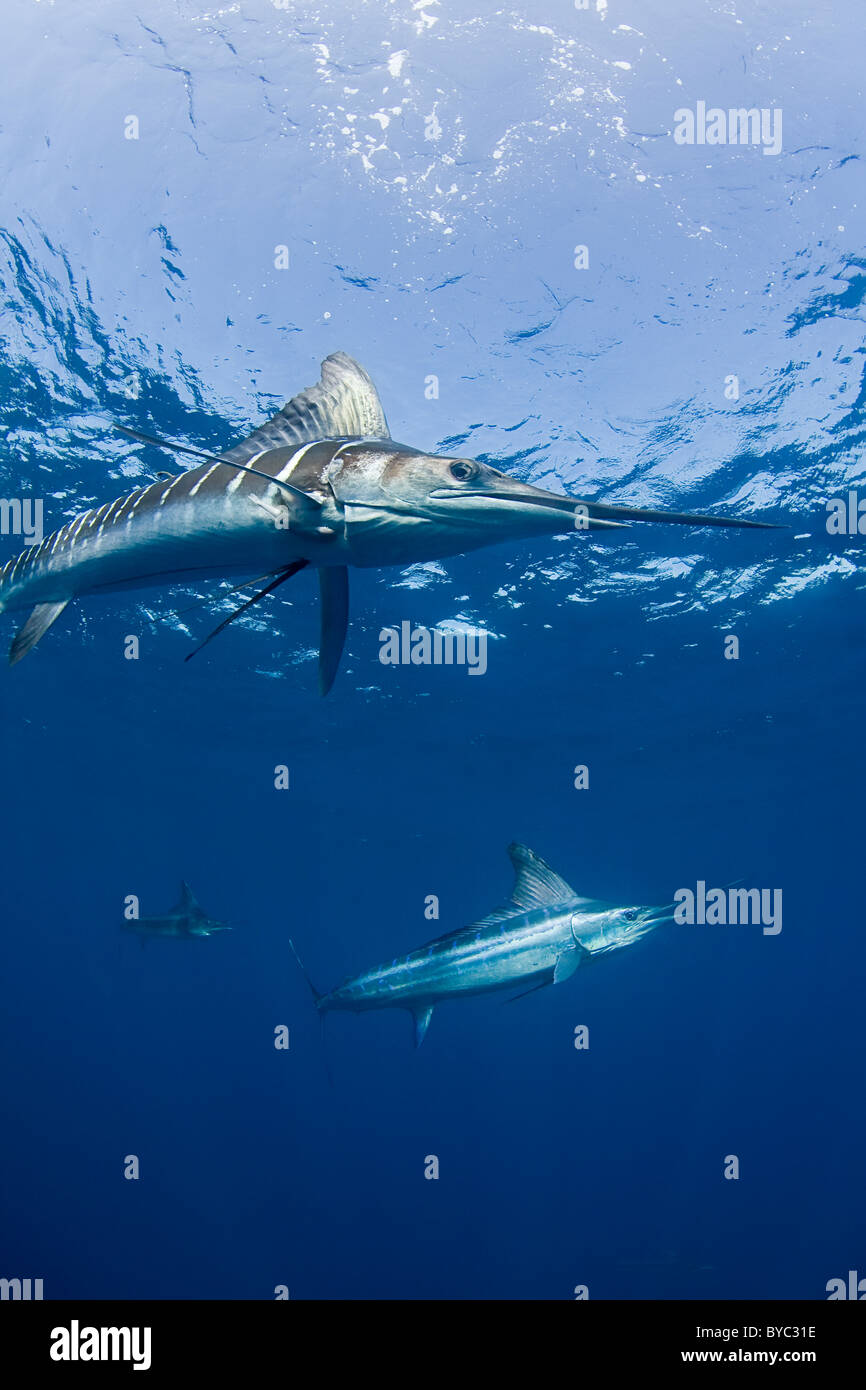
40	620
344	403
523	993
226	593
281	578
567	963
334	590
422	1019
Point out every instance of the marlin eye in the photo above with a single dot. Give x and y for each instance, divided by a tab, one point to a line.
462	471
631	914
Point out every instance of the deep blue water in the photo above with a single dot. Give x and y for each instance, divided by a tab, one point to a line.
138	284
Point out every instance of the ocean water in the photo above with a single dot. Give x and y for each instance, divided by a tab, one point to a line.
428	170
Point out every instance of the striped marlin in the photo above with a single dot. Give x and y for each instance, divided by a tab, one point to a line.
321	484
541	937
185	920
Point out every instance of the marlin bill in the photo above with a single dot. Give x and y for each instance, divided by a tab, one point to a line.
323	485
540	937
186	921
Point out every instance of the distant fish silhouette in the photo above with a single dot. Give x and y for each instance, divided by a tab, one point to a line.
186	919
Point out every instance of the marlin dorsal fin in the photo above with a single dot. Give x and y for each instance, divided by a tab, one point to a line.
343	404
497	917
536	884
188	904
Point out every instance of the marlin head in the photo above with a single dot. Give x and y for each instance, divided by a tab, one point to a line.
402	505
191	919
405	505
208	927
601	928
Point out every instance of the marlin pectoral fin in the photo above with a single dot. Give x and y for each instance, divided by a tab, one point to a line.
40	620
316	993
422	1023
293	491
334	589
162	443
567	963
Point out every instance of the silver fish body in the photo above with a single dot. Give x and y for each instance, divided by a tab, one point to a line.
185	921
322	484
542	936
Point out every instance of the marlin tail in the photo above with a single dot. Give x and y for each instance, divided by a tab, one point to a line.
539	938
322	484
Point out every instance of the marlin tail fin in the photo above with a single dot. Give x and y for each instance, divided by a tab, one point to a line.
40	620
